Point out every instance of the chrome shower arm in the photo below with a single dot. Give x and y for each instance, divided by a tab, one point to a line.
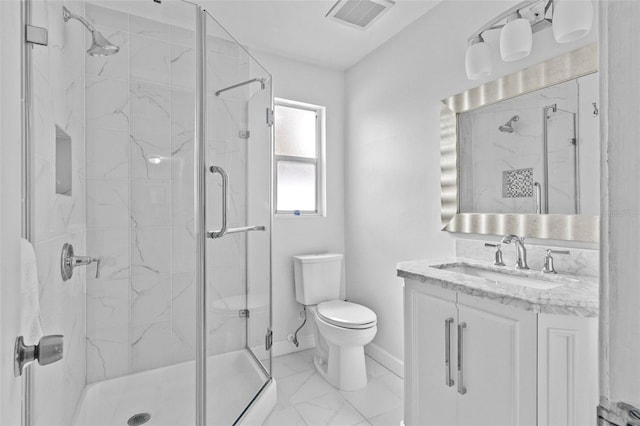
66	14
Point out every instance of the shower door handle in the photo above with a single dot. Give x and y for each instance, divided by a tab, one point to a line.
225	193
224	230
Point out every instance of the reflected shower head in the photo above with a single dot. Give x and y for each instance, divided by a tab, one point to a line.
100	46
508	126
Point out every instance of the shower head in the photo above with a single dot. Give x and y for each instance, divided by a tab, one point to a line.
100	46
508	126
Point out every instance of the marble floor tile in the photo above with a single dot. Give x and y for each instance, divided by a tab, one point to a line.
305	398
330	409
285	417
373	400
302	387
390	418
293	363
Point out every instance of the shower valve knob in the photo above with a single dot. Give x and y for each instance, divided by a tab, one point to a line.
48	350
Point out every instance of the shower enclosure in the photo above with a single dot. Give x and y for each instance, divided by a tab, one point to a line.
150	153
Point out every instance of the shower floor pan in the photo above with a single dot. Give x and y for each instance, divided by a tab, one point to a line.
168	395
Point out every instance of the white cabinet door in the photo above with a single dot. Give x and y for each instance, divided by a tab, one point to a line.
498	366
567	370
429	399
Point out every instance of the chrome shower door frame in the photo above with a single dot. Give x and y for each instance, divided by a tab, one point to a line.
200	170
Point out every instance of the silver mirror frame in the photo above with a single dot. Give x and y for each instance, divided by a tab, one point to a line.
566	67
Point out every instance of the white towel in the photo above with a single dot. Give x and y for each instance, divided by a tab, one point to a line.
31	326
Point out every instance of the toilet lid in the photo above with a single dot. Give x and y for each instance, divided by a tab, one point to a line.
346	314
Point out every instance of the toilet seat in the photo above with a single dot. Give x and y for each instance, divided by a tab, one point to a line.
346	314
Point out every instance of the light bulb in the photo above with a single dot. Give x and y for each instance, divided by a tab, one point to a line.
572	19
477	60
516	39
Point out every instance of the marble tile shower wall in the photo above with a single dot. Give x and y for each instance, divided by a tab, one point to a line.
58	100
140	121
139	176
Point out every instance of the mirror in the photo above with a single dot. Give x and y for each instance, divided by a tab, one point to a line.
521	154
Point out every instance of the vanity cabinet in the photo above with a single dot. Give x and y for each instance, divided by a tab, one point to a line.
475	361
468	361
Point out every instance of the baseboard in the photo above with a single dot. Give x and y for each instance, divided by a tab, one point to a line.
396	365
284	347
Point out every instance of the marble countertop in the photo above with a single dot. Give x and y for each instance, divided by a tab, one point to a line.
576	295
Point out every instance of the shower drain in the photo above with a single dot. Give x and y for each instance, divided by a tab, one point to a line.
139	419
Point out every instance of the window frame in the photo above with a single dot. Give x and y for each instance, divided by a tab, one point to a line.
318	161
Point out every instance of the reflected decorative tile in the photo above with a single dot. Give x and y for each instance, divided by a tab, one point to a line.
150	298
150	345
150	60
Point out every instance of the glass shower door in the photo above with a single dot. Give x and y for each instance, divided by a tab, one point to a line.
238	153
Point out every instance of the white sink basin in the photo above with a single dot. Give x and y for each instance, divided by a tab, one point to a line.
502	277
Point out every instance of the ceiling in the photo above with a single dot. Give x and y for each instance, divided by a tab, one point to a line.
298	29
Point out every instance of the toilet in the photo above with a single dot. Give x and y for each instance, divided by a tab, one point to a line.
341	329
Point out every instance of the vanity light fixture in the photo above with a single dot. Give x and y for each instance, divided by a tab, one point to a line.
516	39
570	19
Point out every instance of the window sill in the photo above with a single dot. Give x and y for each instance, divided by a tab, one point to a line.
289	216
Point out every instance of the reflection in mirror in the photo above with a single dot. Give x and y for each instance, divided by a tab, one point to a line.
534	153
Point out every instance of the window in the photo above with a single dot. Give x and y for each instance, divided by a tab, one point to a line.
298	157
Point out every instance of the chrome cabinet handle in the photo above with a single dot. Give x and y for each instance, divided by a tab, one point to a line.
447	351
461	389
225	193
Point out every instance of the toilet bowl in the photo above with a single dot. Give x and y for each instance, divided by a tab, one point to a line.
341	329
339	354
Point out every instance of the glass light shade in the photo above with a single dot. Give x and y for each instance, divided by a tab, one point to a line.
571	19
477	61
516	39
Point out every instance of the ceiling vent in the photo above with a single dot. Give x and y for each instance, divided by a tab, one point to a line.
359	13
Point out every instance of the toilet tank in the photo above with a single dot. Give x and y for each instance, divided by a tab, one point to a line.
318	277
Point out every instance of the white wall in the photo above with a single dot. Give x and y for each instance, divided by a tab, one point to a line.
10	212
303	235
393	157
620	209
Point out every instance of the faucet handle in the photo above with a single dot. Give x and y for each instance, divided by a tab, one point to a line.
548	267
498	260
549	251
97	260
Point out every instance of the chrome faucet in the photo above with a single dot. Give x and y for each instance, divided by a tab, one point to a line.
521	251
